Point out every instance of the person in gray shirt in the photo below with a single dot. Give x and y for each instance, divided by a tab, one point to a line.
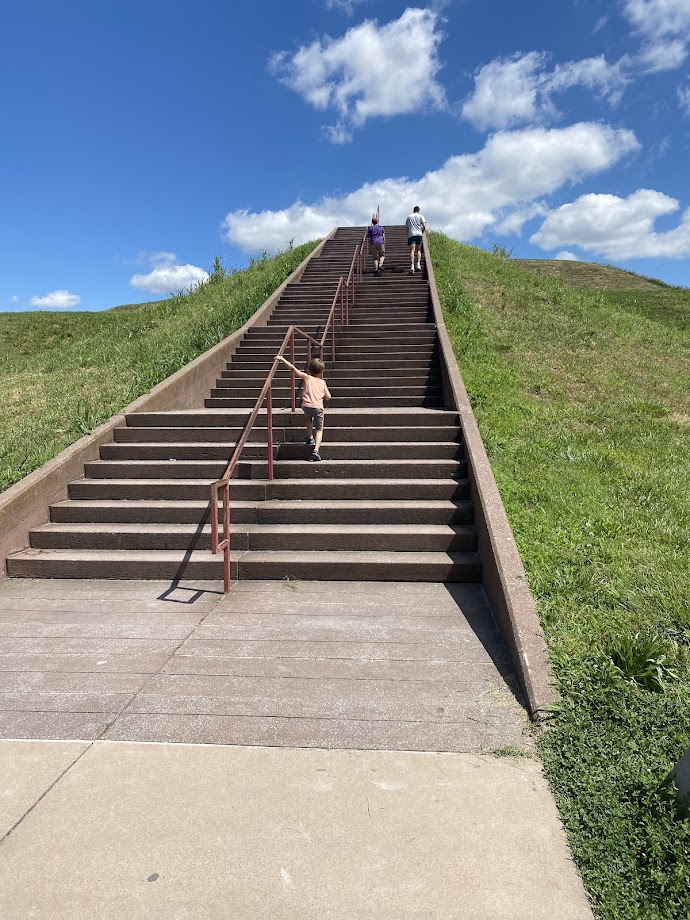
416	225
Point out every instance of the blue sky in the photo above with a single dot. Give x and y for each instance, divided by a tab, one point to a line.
141	139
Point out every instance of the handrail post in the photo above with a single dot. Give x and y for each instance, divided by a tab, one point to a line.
214	518
226	537
269	422
292	361
308	352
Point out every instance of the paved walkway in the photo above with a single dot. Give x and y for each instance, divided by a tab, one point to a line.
298	664
344	770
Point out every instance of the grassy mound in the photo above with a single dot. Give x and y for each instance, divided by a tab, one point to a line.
583	401
65	374
593	275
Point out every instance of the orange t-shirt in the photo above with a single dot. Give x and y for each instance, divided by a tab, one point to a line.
313	391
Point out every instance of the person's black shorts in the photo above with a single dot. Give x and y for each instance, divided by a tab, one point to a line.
316	415
415	240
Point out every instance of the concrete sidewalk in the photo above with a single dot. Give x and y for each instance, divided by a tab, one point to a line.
108	830
291	750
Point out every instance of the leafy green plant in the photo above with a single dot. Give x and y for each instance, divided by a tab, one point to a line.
644	659
501	251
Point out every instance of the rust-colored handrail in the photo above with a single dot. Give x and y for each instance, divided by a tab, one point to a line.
355	275
223	484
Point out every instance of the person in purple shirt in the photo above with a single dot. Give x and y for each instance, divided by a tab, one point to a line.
377	237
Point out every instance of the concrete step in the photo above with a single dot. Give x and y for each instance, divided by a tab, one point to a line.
350	336
309	565
371	362
381	418
345	450
432	538
229	436
324	489
274	511
336	380
340	402
338	389
212	470
344	350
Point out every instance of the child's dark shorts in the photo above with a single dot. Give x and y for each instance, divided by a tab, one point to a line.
316	415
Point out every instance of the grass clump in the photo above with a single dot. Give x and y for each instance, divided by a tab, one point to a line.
643	659
65	374
583	400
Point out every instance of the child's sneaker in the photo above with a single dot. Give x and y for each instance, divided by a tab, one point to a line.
310	442
419	267
315	456
412	270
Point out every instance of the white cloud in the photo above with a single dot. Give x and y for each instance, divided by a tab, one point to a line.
465	197
684	99
617	228
338	133
15	299
56	300
371	71
166	276
514	222
600	23
344	6
565	256
664	28
518	89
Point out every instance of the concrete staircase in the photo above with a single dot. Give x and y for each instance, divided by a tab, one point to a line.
389	501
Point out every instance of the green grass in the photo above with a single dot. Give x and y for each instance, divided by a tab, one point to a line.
593	275
583	401
64	374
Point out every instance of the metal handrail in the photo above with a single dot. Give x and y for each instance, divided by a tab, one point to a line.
266	393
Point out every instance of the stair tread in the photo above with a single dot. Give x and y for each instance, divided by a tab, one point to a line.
294	483
258	528
278	555
288	504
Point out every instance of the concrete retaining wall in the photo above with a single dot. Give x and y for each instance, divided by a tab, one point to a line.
503	574
27	504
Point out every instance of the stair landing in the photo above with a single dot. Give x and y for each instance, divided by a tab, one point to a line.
349	665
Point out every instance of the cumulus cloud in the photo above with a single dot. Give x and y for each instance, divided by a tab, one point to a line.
514	222
518	89
464	198
367	72
565	256
617	228
166	275
664	28
56	300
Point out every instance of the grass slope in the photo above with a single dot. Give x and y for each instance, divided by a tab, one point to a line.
64	374
583	401
593	275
